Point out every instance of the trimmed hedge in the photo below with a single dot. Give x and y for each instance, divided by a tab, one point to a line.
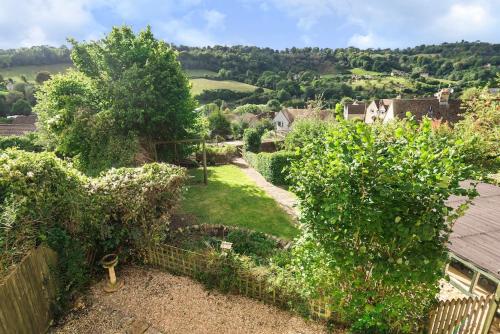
271	165
217	154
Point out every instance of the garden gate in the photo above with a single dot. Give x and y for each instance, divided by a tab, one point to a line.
471	315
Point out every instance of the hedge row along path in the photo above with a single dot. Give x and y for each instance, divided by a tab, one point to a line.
284	198
155	302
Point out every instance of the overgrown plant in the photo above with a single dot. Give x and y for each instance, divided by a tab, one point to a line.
375	220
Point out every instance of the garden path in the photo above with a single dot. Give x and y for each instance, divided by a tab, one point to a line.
286	199
155	302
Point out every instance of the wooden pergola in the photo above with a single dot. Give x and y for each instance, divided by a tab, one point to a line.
186	141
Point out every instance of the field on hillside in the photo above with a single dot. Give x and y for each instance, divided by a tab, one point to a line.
200	85
198	73
30	71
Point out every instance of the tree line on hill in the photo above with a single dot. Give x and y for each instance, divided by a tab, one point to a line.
297	75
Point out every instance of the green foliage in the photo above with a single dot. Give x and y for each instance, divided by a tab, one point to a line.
217	154
272	166
218	124
72	124
128	92
28	142
136	204
480	131
255	245
303	130
252	138
375	222
273	105
248	108
42	76
21	107
121	210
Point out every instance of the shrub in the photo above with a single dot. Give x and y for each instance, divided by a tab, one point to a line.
248	108
21	107
375	220
252	138
272	166
219	125
217	154
28	142
122	210
303	130
42	76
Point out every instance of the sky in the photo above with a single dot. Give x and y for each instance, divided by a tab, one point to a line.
277	24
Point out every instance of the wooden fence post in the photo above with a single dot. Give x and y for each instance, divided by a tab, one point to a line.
205	176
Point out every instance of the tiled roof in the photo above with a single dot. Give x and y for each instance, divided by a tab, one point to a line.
427	107
356	108
476	235
293	114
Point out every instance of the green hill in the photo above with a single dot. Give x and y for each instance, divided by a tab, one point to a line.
30	71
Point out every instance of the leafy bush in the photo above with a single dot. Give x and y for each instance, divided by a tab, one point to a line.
137	204
21	107
480	131
255	245
252	139
218	124
217	154
303	130
249	108
375	220
271	165
122	210
28	142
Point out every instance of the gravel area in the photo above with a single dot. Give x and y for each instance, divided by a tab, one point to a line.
153	301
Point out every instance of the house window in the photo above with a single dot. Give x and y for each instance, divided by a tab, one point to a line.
280	124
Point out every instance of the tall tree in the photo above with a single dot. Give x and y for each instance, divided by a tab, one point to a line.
134	87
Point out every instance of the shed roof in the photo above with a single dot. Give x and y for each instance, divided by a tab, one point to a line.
476	235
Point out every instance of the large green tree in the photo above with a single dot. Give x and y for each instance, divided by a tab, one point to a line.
127	88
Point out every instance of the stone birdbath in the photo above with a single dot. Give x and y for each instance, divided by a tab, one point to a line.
109	262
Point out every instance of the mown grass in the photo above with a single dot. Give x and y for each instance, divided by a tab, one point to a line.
231	198
199	85
30	71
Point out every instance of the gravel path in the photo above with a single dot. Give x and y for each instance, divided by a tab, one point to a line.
285	199
153	301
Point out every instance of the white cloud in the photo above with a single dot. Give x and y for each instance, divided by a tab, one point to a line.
182	33
466	21
363	41
214	18
35	22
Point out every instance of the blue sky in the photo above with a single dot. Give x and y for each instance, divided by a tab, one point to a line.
273	23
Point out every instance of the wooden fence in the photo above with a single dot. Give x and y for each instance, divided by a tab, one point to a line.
27	292
184	262
471	315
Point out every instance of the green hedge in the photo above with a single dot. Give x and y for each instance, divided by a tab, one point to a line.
217	154
26	143
271	165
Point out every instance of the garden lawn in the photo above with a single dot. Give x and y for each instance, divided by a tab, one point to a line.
231	198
